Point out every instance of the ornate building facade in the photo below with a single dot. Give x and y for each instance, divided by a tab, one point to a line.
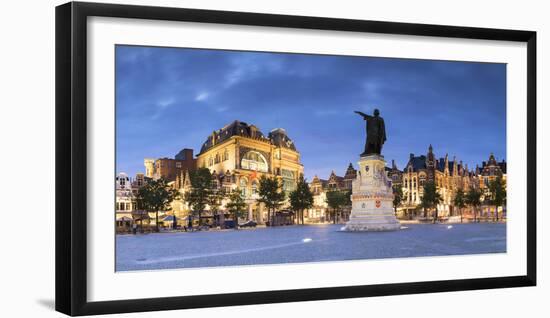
447	175
238	155
170	168
489	171
126	190
319	213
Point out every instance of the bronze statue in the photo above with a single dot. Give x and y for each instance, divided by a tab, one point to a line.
376	133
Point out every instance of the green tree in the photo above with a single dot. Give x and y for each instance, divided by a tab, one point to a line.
200	192
497	194
430	199
473	199
236	206
215	200
459	201
270	195
155	196
346	199
301	198
335	201
397	198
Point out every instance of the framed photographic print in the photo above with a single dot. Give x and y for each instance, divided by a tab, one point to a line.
210	158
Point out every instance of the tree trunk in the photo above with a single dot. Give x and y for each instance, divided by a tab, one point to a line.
460	211
435	215
157	221
302	215
496	213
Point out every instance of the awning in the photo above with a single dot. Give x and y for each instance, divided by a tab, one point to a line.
140	215
170	218
124	219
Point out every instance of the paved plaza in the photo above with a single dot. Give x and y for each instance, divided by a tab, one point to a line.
299	244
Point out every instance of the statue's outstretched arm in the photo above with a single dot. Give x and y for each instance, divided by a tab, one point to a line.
365	116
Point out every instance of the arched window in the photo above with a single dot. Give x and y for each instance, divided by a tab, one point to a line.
242	185
254	187
254	160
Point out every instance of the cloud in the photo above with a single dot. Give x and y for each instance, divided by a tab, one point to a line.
202	96
372	89
253	65
162	104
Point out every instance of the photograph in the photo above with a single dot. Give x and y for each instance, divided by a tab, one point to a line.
243	158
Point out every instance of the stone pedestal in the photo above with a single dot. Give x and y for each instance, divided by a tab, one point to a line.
372	198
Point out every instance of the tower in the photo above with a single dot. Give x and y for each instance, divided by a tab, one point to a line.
149	167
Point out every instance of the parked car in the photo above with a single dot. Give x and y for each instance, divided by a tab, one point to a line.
248	224
229	224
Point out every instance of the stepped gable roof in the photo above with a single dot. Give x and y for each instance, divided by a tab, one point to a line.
351	173
335	177
492	167
277	136
323	182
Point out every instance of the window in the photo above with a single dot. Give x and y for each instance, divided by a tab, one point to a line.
242	184
217	159
178	165
225	155
254	187
210	161
288	180
254	160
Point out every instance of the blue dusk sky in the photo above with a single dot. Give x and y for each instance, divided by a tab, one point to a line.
168	99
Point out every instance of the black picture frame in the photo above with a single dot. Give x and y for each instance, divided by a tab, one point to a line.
71	157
